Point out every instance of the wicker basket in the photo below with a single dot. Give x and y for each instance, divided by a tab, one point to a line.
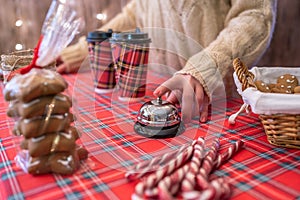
18	59
15	60
282	129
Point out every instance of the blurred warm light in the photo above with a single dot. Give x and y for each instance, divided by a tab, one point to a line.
19	23
101	16
19	47
63	1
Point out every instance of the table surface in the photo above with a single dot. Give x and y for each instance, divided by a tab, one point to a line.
259	171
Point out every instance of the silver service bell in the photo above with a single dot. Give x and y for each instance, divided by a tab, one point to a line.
158	119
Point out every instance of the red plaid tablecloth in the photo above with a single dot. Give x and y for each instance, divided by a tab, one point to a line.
259	171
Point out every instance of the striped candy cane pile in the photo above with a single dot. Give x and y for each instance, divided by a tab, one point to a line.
186	175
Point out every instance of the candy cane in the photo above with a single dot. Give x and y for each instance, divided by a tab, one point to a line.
147	167
152	180
229	153
170	185
222	188
139	191
163	189
209	159
151	193
207	165
198	155
217	189
181	171
188	182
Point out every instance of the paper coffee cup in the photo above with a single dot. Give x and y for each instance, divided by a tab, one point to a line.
101	62
130	52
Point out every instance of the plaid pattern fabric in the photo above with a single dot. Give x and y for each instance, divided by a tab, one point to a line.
102	65
131	63
259	171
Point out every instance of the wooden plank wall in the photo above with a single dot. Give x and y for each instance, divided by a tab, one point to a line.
33	12
284	48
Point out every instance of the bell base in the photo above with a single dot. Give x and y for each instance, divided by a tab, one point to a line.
158	132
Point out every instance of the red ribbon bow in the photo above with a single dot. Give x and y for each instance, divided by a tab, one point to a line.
26	69
32	65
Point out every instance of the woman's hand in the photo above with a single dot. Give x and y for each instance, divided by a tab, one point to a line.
189	90
62	67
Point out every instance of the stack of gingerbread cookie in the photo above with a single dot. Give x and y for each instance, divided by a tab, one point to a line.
44	119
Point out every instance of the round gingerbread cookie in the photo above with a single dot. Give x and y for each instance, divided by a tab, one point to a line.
297	90
286	84
271	86
288	79
283	88
261	86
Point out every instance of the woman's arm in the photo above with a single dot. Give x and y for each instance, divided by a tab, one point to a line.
248	30
247	34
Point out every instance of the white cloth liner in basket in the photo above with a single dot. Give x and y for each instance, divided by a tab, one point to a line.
268	103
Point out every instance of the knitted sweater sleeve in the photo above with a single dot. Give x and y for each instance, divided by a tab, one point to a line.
247	34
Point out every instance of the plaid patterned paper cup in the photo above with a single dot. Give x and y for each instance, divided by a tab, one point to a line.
130	51
101	62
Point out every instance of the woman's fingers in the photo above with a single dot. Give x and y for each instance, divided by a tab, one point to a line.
187	103
161	90
189	97
167	86
202	101
190	92
174	97
204	109
64	68
61	68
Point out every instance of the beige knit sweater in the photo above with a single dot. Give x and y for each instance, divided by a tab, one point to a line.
199	37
